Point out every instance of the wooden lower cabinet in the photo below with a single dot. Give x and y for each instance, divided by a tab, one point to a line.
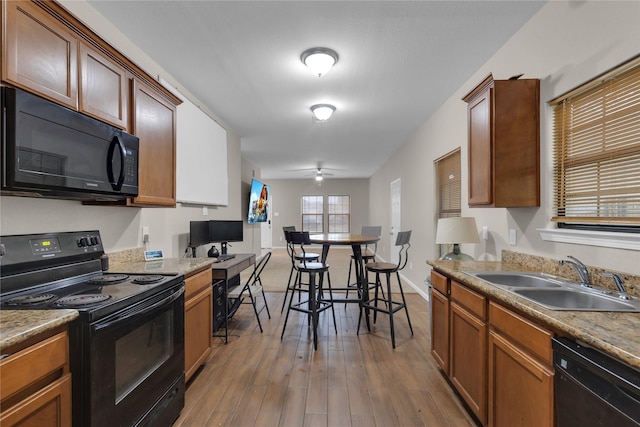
520	371
499	362
440	329
467	369
35	383
198	309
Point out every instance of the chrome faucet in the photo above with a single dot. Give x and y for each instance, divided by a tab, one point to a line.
619	284
580	268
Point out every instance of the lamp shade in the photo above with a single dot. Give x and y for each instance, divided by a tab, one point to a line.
322	112
457	230
319	60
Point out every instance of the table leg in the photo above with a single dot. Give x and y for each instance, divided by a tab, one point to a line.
361	280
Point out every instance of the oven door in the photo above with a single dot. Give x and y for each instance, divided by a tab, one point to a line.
136	364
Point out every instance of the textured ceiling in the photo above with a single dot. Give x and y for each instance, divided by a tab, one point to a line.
399	61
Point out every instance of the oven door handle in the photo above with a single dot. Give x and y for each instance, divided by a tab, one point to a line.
131	314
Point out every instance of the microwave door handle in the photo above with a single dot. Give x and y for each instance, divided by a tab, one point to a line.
117	185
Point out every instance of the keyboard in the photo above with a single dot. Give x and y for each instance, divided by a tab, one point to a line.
222	258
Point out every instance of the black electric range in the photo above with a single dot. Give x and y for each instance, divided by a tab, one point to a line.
63	270
126	348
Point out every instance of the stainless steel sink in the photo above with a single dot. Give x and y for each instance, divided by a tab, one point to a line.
556	293
518	279
576	299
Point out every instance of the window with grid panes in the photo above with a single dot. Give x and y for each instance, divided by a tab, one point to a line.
339	214
448	188
597	152
312	214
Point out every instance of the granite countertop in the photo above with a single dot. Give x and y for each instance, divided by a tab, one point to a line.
19	325
614	333
185	266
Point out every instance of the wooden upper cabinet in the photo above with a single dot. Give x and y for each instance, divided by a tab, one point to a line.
154	122
39	53
504	143
103	88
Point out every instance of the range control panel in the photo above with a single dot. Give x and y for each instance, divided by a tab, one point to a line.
21	252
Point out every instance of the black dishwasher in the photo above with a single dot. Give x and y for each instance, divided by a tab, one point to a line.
592	388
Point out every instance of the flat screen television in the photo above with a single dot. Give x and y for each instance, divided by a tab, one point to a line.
223	232
259	202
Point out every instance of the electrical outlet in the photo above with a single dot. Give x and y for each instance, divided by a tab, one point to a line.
145	234
513	236
485	233
205	211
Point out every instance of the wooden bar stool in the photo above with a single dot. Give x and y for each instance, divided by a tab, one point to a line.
314	305
389	306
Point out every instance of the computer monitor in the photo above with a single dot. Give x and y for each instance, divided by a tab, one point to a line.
223	232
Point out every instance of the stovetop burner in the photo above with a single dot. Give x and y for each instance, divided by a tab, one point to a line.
145	280
108	279
27	300
81	300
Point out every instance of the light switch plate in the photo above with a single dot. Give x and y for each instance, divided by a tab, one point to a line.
512	236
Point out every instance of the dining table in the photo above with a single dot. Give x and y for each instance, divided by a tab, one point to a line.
356	241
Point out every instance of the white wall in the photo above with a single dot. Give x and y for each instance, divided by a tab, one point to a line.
564	45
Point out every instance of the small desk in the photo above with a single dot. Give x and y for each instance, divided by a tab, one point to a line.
356	241
229	273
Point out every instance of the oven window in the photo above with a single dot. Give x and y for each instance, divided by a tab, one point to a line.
141	352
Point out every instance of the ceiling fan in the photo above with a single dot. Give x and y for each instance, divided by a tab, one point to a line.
319	174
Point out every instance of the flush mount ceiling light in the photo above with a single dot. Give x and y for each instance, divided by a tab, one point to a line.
319	60
322	112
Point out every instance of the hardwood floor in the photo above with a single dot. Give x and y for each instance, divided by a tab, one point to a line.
351	380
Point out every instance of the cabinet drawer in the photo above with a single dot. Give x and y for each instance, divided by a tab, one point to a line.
469	299
440	282
196	283
48	407
34	363
527	334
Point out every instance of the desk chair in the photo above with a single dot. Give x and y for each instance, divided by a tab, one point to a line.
253	287
390	306
368	254
299	256
314	305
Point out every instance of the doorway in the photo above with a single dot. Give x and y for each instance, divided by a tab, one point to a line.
395	219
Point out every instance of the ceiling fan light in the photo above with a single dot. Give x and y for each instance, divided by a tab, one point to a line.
319	60
319	177
322	112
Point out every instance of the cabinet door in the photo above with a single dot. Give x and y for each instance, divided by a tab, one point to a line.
440	329
520	388
103	88
154	122
49	407
198	325
39	54
480	156
468	359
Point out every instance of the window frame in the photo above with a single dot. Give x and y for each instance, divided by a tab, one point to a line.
306	214
448	192
331	216
585	150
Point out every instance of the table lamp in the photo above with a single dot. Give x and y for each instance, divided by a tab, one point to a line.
455	231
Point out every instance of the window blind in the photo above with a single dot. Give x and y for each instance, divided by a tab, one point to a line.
448	185
597	150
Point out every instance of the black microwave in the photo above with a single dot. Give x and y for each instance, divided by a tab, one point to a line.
51	151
